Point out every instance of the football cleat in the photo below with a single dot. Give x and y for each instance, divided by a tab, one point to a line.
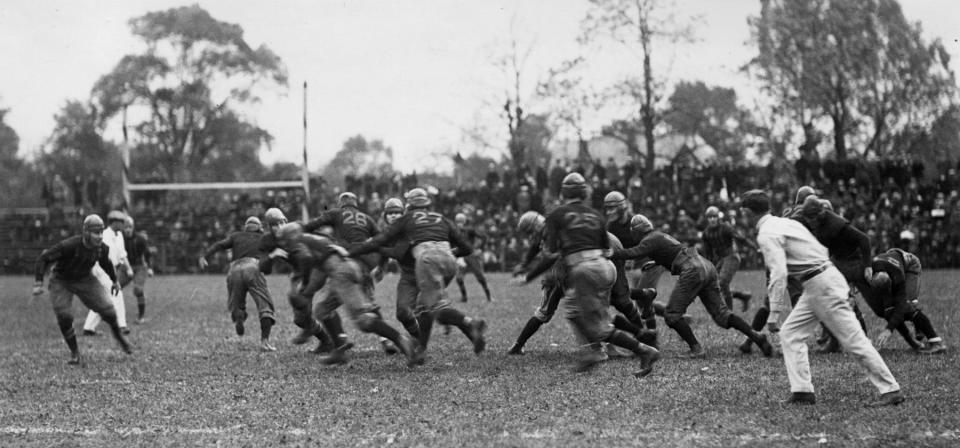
646	362
388	347
803	398
302	337
888	399
696	352
477	327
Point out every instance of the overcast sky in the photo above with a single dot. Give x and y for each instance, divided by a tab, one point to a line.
411	73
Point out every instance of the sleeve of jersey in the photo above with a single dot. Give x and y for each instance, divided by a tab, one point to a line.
47	257
541	266
106	264
642	250
533	251
323	219
775	259
386	238
223	244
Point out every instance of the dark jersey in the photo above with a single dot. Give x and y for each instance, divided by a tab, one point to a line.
417	226
244	244
349	224
575	227
475	238
894	262
843	240
895	302
307	252
657	246
718	241
137	252
74	260
621	229
536	245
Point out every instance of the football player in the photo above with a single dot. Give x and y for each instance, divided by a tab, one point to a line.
617	213
245	277
471	263
696	277
531	226
894	278
352	227
301	291
113	238
138	254
849	248
73	260
718	247
434	243
578	235
345	286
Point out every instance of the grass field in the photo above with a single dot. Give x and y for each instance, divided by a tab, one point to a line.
191	382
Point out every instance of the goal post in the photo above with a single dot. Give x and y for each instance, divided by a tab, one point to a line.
303	183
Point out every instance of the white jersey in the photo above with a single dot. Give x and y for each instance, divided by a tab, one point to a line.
114	240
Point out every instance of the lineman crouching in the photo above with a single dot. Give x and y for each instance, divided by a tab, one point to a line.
73	260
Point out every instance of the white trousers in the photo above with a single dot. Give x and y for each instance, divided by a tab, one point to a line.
94	319
824	299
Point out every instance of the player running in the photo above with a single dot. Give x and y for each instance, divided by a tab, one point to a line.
696	277
718	247
625	300
531	226
138	254
245	277
345	286
301	291
434	243
577	233
471	263
353	227
73	260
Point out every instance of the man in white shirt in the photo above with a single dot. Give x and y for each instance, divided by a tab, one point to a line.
113	238
790	250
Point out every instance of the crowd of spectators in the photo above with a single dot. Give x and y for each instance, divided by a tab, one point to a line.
896	201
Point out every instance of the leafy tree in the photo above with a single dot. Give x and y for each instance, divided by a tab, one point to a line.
9	140
638	25
183	91
712	114
359	157
938	145
18	184
76	150
857	62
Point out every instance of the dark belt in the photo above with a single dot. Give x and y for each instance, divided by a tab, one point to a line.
813	273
